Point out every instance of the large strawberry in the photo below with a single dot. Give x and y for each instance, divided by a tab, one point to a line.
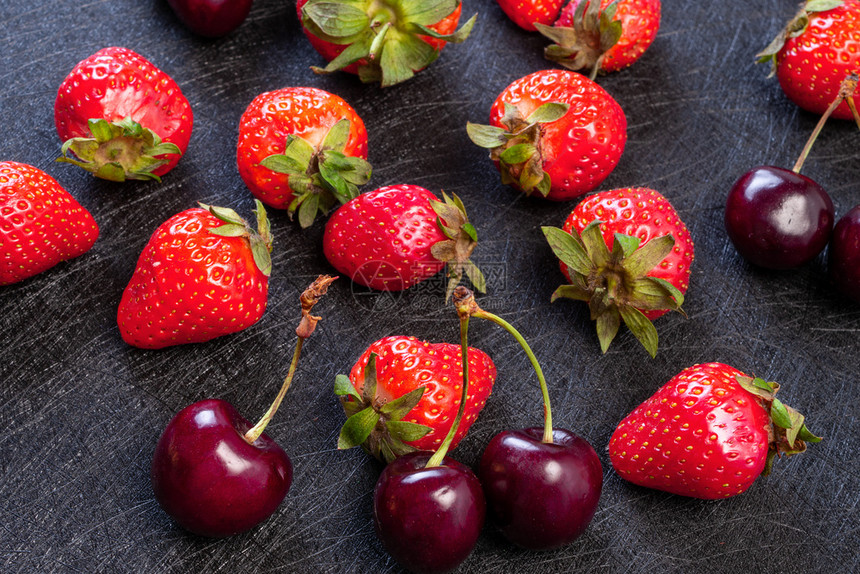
527	13
815	52
555	132
302	149
602	36
708	433
403	395
627	254
204	273
41	224
398	235
121	117
383	41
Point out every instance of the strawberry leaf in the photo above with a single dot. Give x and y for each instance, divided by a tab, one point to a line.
607	327
406	430
308	209
230	230
568	249
400	407
337	136
476	276
357	428
641	328
779	414
576	292
368	392
624	245
595	246
489	137
426	12
518	153
336	19
343	387
353	53
548	112
457	37
649	255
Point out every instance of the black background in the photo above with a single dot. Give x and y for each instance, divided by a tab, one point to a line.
80	411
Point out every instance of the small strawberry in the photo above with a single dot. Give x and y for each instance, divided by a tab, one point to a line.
121	117
399	235
627	254
527	13
707	433
403	395
383	41
40	223
204	273
302	149
815	52
554	131
602	36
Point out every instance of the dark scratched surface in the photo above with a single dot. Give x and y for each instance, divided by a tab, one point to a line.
80	411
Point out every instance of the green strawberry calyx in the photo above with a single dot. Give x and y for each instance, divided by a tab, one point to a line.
517	147
796	27
320	177
787	432
456	250
374	423
384	37
118	151
616	284
259	240
583	47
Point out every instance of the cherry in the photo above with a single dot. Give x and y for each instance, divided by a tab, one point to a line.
542	485
215	473
211	18
541	495
428	509
777	218
844	255
428	519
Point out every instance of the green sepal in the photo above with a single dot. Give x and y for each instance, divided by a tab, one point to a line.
795	27
368	391
548	113
230	230
399	407
456	250
645	258
426	12
357	428
641	328
607	324
353	53
259	240
595	246
401	59
407	430
569	249
488	137
576	292
457	37
343	387
336	19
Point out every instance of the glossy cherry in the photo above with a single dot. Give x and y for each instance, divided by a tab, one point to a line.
211	18
428	518
777	218
213	471
541	495
844	255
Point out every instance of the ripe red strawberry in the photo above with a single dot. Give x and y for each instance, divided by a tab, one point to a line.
707	433
384	42
204	273
815	52
121	117
628	255
554	131
602	36
40	223
302	149
399	235
526	13
403	395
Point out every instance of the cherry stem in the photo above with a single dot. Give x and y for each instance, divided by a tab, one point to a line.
466	304
306	327
440	453
846	92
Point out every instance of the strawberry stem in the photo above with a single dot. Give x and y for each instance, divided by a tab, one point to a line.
306	327
846	92
465	302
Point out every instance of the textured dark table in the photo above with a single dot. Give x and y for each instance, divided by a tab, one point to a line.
80	411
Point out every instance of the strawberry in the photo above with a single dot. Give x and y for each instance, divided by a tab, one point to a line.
41	224
627	254
707	433
403	395
815	52
527	13
383	41
554	131
121	117
302	149
399	235
602	36
204	273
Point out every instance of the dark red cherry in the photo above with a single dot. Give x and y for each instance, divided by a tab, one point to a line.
540	495
777	218
211	18
428	519
844	255
210	479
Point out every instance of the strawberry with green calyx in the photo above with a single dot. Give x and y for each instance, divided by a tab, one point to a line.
402	394
140	135
627	254
384	42
707	433
602	36
302	149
